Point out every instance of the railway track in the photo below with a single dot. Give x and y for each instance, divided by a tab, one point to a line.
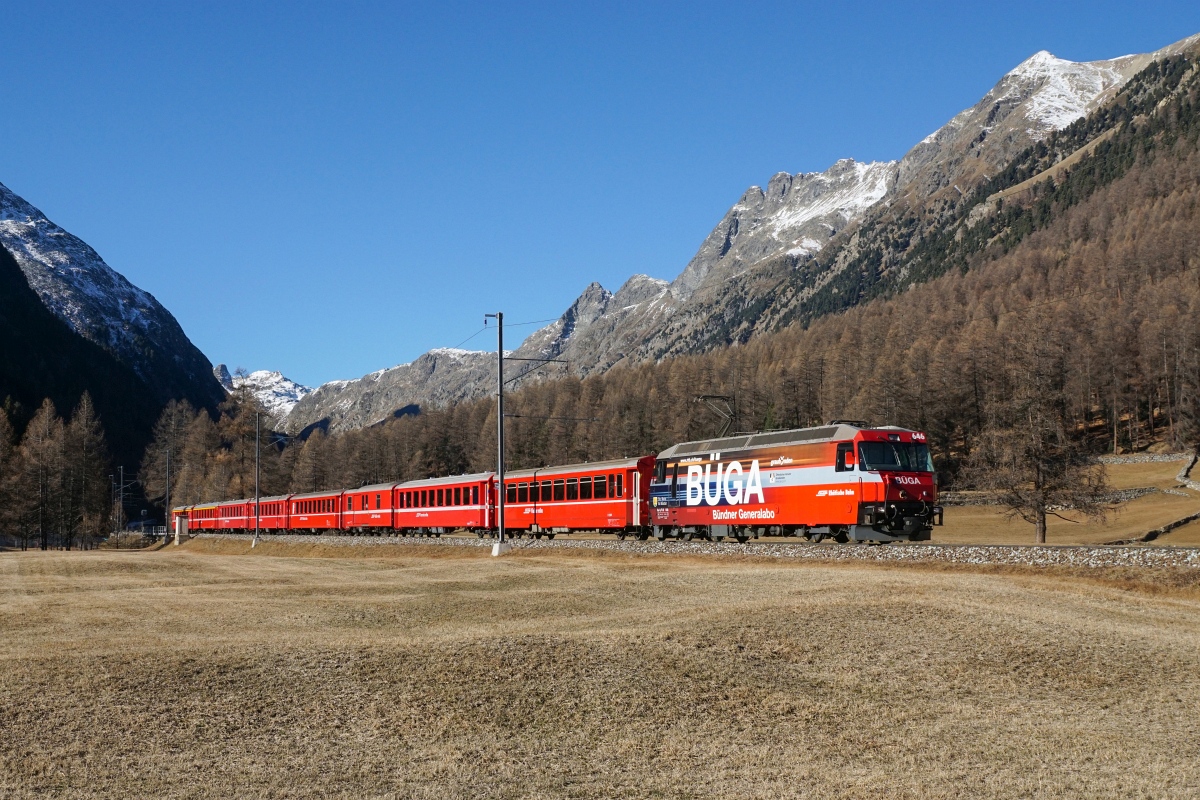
1093	556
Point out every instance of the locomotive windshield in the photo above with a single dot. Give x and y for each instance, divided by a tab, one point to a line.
895	456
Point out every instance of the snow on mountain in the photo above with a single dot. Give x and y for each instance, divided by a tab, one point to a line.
1068	89
1040	95
71	278
98	303
843	192
277	395
796	214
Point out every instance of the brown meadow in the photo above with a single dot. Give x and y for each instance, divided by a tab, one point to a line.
204	671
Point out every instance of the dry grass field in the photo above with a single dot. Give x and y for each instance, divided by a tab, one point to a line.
989	525
426	672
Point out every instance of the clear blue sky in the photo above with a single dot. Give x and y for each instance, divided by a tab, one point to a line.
328	189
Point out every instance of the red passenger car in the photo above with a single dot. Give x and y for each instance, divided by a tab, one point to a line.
272	514
201	517
369	509
315	511
233	515
441	505
605	496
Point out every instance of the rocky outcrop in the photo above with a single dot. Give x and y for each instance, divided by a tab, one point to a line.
437	378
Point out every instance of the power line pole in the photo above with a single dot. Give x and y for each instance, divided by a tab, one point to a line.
257	448
167	495
499	317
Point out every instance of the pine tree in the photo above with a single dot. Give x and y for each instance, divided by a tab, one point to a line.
87	466
163	461
39	495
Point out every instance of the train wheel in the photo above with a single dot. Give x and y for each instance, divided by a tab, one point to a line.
621	536
549	535
687	537
816	538
841	537
643	536
742	538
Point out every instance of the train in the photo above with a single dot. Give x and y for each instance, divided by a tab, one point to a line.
845	481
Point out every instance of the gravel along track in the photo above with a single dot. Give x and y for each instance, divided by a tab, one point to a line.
1027	555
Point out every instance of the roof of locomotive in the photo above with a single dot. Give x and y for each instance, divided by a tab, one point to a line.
840	431
589	466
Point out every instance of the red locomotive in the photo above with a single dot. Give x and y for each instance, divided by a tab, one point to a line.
844	480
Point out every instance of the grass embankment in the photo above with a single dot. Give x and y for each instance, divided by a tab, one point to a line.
441	672
989	525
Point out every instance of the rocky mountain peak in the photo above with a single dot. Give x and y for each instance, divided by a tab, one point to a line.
1040	95
99	304
221	373
639	289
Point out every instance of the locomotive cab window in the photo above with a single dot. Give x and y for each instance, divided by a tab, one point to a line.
845	456
901	456
660	472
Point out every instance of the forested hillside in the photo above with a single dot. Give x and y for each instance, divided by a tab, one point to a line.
1105	293
1080	288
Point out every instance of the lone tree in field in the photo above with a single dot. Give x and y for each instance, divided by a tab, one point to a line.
1026	451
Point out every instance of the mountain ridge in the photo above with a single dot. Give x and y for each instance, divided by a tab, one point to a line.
101	305
780	247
